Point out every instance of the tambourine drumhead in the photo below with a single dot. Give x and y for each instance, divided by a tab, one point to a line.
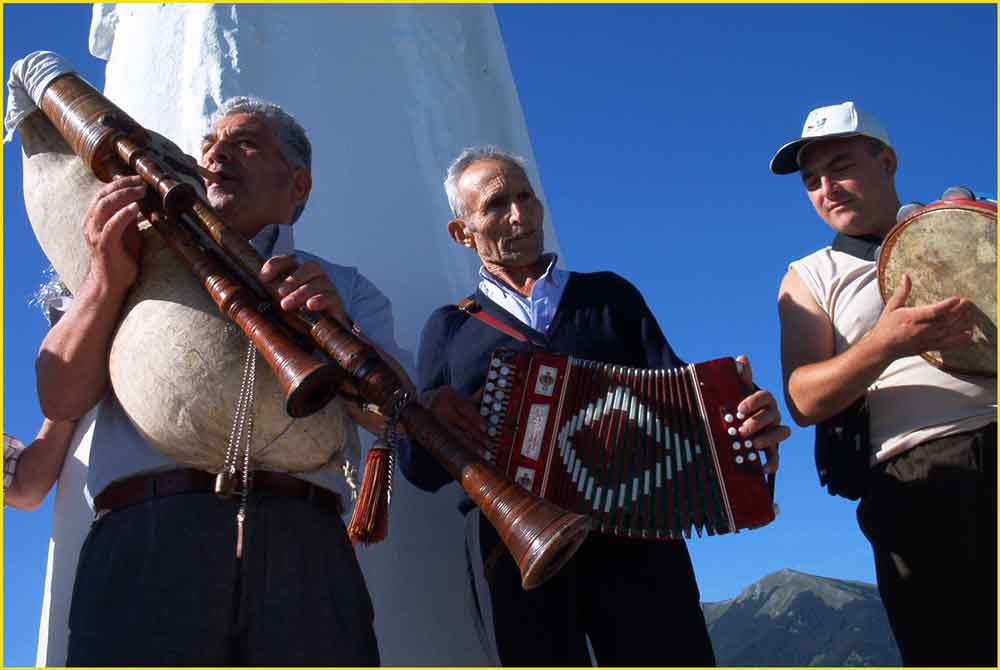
949	249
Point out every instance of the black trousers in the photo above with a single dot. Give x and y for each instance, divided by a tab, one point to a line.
930	516
636	600
159	584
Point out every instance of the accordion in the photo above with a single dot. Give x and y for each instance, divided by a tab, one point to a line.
644	453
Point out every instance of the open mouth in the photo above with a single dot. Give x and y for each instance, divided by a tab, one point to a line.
221	179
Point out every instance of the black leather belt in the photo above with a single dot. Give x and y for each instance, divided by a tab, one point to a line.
140	488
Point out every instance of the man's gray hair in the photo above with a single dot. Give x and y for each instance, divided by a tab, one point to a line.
291	135
462	162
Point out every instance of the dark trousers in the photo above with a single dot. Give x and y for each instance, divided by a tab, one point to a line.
930	516
636	600
159	583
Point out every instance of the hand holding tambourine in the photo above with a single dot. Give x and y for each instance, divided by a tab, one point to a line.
946	249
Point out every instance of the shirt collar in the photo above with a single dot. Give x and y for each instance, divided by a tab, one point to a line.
865	247
274	240
552	276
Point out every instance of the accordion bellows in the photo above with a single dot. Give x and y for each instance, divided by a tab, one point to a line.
645	453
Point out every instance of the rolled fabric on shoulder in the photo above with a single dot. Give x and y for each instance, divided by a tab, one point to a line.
28	79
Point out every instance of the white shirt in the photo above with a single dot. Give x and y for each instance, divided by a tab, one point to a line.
119	452
912	401
539	308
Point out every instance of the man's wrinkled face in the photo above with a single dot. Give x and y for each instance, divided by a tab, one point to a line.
851	185
504	217
256	185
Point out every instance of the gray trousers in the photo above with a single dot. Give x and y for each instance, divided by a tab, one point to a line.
930	515
159	583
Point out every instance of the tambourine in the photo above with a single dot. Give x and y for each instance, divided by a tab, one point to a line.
949	248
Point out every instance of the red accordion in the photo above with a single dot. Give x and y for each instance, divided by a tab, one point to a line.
644	453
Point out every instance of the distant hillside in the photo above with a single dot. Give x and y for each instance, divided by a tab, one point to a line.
789	618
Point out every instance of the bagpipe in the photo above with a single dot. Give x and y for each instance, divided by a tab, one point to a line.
222	265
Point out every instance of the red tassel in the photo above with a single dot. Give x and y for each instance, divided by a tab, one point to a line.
370	521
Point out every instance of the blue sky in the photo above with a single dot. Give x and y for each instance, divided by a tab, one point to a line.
652	128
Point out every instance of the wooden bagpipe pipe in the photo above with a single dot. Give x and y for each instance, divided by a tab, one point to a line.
648	454
540	536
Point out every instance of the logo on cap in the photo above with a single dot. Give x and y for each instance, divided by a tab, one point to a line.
818	124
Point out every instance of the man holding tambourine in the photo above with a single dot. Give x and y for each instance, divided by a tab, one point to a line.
896	366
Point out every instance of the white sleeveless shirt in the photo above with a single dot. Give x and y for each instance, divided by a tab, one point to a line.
912	401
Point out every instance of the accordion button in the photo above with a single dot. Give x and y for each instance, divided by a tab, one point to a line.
499	395
492	431
487	398
501	382
751	456
492	374
505	371
739	460
485	411
748	444
495	362
497	407
728	418
494	419
490	386
731	431
736	446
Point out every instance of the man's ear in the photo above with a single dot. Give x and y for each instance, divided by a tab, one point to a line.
887	157
461	233
301	184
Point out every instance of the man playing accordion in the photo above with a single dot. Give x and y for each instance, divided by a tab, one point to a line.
925	437
612	591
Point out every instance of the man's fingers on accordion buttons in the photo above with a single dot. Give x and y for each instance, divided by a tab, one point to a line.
761	420
470	409
469	422
754	403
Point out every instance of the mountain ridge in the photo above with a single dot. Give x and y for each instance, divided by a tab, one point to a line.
792	618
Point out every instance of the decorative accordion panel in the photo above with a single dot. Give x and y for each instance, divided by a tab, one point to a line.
645	453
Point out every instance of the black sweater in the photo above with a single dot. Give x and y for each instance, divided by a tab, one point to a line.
601	317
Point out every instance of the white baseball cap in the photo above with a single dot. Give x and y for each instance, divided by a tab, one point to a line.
843	120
